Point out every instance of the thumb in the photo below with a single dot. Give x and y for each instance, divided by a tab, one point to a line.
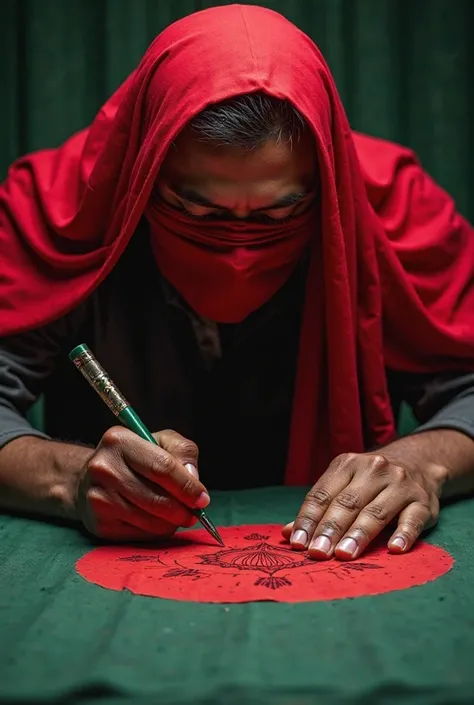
179	447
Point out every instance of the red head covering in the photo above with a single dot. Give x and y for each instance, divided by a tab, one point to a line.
389	283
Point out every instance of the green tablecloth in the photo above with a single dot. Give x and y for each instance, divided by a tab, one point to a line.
65	640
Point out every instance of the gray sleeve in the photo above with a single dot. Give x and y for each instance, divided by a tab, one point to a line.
438	401
447	402
26	362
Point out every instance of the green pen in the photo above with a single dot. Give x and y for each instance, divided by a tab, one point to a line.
98	378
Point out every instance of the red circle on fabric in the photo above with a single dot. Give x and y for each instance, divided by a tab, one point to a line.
255	565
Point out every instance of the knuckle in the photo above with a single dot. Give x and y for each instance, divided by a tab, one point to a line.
94	496
318	496
99	464
330	527
113	436
360	531
348	500
187	449
341	460
377	512
163	509
161	463
166	433
158	504
379	464
189	487
413	526
399	474
305	517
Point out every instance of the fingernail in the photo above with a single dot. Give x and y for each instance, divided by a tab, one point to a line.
348	546
399	542
202	501
300	537
322	543
192	469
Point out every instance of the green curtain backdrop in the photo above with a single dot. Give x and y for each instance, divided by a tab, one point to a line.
403	68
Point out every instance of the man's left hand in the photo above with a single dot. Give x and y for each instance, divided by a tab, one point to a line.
361	494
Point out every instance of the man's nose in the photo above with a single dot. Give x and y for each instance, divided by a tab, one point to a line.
241	211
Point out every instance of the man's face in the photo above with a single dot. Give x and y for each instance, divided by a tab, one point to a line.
275	181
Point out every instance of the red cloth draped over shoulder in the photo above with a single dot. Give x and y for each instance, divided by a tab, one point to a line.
391	273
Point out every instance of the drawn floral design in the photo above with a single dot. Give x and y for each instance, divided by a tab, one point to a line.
140	558
262	557
256	537
256	564
183	572
272	582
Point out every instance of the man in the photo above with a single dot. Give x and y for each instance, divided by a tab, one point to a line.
253	276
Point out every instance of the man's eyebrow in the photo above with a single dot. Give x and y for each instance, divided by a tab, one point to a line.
290	199
189	194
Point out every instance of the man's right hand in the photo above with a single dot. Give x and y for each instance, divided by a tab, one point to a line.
130	489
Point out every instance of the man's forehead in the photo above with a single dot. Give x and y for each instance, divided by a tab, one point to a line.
193	163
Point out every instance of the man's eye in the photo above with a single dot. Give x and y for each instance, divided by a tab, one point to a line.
277	214
280	213
196	210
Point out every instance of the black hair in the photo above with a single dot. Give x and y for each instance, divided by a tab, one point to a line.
248	121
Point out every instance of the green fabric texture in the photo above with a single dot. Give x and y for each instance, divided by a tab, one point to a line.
64	640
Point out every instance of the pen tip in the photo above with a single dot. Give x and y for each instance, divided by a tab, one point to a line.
207	523
217	536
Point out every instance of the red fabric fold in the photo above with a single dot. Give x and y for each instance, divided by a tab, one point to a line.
391	273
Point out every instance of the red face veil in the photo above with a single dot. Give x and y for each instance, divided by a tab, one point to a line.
389	253
228	268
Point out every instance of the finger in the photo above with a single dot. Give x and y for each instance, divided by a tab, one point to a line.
411	522
153	463
146	495
112	512
181	448
370	521
316	502
370	478
287	529
333	503
340	516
